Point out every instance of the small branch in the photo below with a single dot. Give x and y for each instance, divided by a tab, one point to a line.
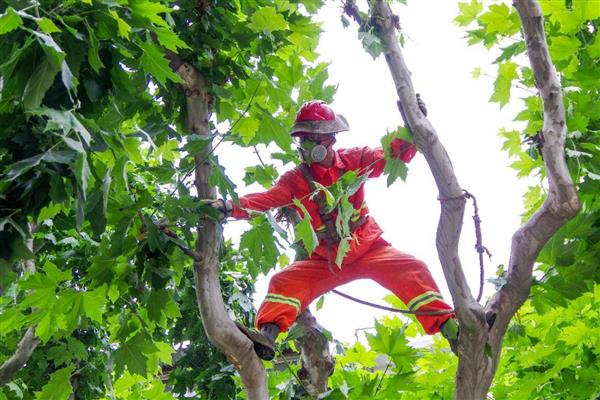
20	357
194	255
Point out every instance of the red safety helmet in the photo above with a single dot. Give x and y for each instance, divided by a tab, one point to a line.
317	117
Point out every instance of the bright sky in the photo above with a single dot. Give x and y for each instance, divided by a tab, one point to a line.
466	123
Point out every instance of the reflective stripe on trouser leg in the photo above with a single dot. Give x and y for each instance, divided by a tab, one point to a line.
423	299
277	298
406	277
292	289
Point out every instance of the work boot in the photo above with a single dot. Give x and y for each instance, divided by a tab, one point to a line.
264	341
450	331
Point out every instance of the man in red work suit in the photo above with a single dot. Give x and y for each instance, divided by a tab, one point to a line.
370	256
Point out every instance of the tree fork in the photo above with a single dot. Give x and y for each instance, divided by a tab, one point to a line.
220	329
479	343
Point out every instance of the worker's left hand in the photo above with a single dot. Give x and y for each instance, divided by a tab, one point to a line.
421	105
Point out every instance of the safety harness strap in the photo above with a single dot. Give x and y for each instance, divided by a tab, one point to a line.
330	233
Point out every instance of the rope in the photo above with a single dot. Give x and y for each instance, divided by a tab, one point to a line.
392	309
479	247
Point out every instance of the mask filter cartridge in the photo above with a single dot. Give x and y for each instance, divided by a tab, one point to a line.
318	153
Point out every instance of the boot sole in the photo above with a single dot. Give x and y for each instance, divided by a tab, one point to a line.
263	348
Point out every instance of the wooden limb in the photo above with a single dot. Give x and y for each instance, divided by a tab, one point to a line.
469	312
219	328
561	203
20	357
29	341
317	362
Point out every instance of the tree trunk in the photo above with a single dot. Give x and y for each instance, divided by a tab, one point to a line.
219	328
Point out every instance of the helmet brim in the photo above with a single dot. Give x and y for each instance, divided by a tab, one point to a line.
339	124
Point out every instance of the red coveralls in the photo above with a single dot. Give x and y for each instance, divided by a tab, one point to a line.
296	286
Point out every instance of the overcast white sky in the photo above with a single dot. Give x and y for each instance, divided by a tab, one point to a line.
466	123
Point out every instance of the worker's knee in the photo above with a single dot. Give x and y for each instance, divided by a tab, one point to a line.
278	281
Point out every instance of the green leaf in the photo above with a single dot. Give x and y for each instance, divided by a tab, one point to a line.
468	12
51	48
267	20
507	72
82	173
47	25
13	171
133	354
343	248
39	83
371	43
156	303
303	230
58	387
49	212
563	47
394	167
296	332
93	303
9	21
54	274
261	247
247	128
320	303
123	27
170	40
150	10
153	61
93	55
500	19
219	179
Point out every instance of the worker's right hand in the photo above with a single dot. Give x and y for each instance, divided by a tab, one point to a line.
224	206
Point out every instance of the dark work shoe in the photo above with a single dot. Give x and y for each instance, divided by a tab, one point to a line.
450	331
263	347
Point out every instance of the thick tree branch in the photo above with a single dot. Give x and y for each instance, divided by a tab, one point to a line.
29	341
317	362
469	312
220	329
20	357
562	203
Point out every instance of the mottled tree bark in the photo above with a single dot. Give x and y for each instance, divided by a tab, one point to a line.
317	362
476	369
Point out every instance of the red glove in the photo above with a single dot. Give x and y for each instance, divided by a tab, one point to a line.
403	150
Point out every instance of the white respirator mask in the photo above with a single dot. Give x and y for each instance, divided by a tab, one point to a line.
312	151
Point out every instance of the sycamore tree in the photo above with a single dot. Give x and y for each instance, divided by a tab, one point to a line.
115	281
